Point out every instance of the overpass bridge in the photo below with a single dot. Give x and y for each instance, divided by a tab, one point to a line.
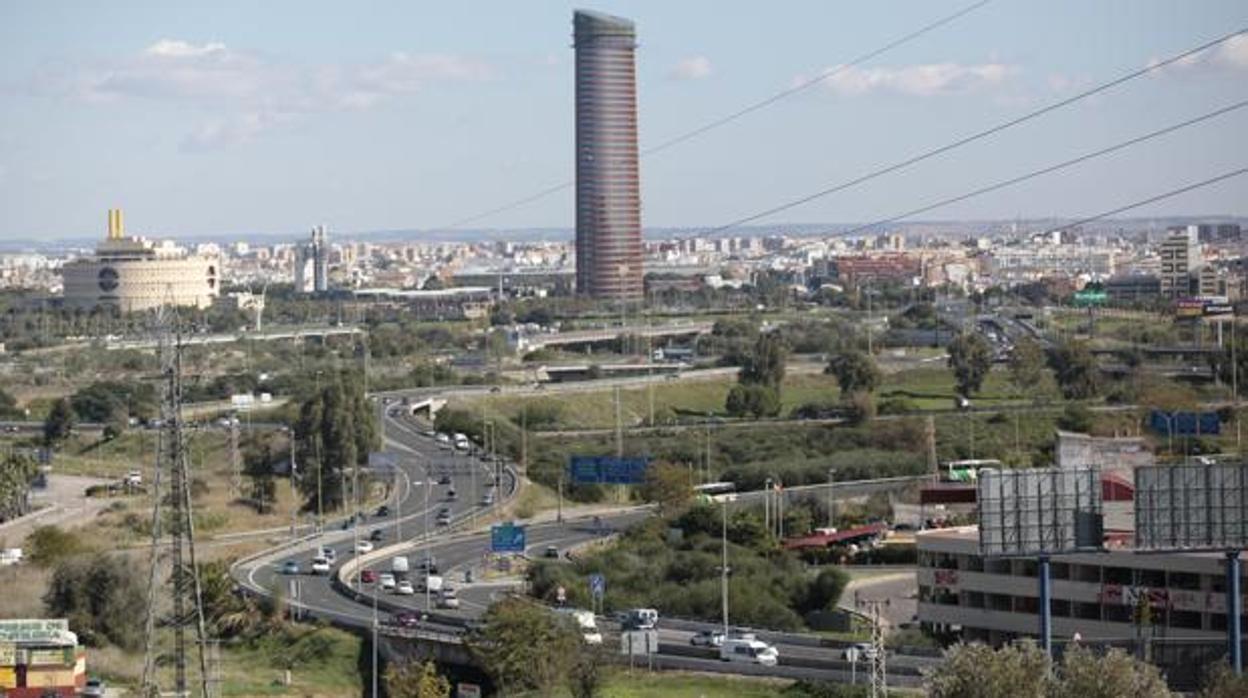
526	343
230	337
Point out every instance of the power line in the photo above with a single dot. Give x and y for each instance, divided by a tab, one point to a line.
1051	168
1159	197
748	109
1103	87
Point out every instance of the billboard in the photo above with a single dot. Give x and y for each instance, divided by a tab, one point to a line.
1039	511
507	538
607	470
1184	423
1191	507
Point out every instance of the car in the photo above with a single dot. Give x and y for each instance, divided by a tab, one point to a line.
444	479
444	519
320	565
447	598
451	495
551	551
330	555
487	499
94	688
368	576
290	567
376	535
382	511
405	619
364	546
749	650
404	588
429	565
386	581
859	651
707	638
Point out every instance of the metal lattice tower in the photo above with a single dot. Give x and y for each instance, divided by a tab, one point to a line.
184	569
879	660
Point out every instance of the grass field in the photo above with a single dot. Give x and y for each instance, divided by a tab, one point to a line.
925	388
642	684
323	663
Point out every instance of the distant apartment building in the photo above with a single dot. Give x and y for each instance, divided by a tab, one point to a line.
312	263
1126	289
608	186
858	270
1180	256
1032	262
1205	233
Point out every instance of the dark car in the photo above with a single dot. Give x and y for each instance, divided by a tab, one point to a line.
444	479
383	510
405	619
376	535
451	495
551	552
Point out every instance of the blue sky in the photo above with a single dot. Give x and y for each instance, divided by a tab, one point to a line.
239	117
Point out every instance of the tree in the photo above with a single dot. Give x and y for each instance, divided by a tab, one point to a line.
48	545
411	679
978	671
103	597
59	424
1115	674
1026	366
667	484
336	429
1075	369
855	371
825	592
752	401
100	401
970	358
765	364
8	406
523	647
1222	682
1077	418
17	472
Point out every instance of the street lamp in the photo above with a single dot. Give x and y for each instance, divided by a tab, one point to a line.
831	501
767	505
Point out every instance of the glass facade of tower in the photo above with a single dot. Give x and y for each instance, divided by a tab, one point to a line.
608	186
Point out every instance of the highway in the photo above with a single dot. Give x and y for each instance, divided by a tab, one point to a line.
420	463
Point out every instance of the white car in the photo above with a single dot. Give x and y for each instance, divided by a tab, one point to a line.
447	598
386	581
364	547
707	638
320	565
404	588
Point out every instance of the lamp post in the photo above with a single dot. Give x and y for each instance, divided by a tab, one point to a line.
767	505
831	500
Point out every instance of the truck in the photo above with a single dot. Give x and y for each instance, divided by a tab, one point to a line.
585	624
399	565
640	619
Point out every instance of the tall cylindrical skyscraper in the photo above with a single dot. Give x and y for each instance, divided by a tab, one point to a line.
608	186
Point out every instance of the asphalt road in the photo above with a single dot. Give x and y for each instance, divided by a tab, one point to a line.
420	462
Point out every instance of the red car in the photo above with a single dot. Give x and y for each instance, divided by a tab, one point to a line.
368	576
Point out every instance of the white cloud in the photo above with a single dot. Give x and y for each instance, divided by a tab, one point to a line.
246	93
1231	54
182	49
691	68
919	80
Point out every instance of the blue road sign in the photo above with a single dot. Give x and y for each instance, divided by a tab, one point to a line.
597	585
507	538
607	470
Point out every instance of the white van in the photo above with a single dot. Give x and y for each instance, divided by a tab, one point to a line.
749	650
430	582
399	564
461	442
585	624
444	441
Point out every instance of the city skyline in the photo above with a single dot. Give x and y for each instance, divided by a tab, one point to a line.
212	124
